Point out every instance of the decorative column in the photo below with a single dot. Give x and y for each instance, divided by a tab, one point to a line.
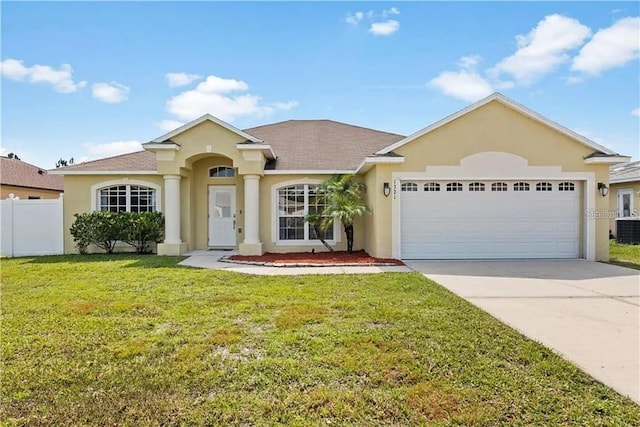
172	245
251	244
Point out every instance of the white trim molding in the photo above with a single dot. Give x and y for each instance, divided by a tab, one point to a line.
487	166
509	103
125	181
93	172
611	160
258	146
309	172
369	161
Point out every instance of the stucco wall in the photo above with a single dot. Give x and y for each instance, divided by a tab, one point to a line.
77	197
25	192
613	200
493	127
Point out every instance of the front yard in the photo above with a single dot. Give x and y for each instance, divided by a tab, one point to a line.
624	255
136	340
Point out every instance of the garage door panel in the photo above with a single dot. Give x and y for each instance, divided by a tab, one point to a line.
485	224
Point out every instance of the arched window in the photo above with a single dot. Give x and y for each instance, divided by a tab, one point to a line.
521	186
127	198
221	172
294	203
409	186
544	186
476	186
432	186
454	186
499	186
566	186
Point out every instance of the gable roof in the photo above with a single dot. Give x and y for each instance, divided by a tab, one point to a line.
141	162
22	174
311	145
207	117
498	97
627	172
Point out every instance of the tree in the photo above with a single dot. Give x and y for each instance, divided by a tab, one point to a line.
344	203
62	162
13	156
319	225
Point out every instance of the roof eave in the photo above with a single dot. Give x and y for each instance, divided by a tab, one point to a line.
611	160
95	172
370	161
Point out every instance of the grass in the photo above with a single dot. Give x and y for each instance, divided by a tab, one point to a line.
624	255
137	340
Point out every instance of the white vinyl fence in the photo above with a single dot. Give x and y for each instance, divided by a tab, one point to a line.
31	227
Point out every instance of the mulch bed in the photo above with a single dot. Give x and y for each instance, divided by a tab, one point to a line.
314	259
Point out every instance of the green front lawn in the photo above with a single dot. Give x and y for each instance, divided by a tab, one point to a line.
624	255
136	340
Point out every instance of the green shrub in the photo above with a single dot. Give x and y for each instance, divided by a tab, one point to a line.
143	229
105	229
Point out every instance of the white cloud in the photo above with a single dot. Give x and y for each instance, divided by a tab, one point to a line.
390	11
107	149
181	79
386	28
467	85
61	79
169	125
218	96
543	48
636	112
610	47
285	105
112	93
354	19
469	61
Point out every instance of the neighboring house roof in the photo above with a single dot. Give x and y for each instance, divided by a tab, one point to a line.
321	144
22	174
513	105
627	172
138	162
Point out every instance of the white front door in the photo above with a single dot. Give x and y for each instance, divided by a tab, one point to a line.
625	203
222	215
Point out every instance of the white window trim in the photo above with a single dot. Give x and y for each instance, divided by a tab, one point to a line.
124	181
503	167
619	194
275	228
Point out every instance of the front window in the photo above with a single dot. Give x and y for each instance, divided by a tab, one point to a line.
127	198
294	202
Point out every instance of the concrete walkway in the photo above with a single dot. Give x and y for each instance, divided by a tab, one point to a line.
587	312
210	259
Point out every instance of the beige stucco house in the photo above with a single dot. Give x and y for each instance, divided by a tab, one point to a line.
494	180
624	190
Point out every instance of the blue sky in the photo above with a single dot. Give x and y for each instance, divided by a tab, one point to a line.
88	80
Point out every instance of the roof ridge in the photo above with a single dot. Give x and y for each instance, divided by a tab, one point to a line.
324	120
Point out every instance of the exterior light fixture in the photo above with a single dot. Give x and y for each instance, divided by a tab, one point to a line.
603	189
386	189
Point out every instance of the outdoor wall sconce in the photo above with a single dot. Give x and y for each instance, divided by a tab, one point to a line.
386	189
603	189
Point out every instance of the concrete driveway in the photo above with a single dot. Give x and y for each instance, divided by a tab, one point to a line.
588	312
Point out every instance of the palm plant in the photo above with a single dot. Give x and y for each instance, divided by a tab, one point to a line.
344	203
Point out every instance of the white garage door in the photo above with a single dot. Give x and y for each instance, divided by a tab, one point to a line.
489	219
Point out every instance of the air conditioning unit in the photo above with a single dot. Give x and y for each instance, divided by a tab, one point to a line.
628	230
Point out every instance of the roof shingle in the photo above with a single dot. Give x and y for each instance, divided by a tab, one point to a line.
321	144
22	174
625	172
138	161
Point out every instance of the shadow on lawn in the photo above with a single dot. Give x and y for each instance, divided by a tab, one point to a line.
628	264
137	261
